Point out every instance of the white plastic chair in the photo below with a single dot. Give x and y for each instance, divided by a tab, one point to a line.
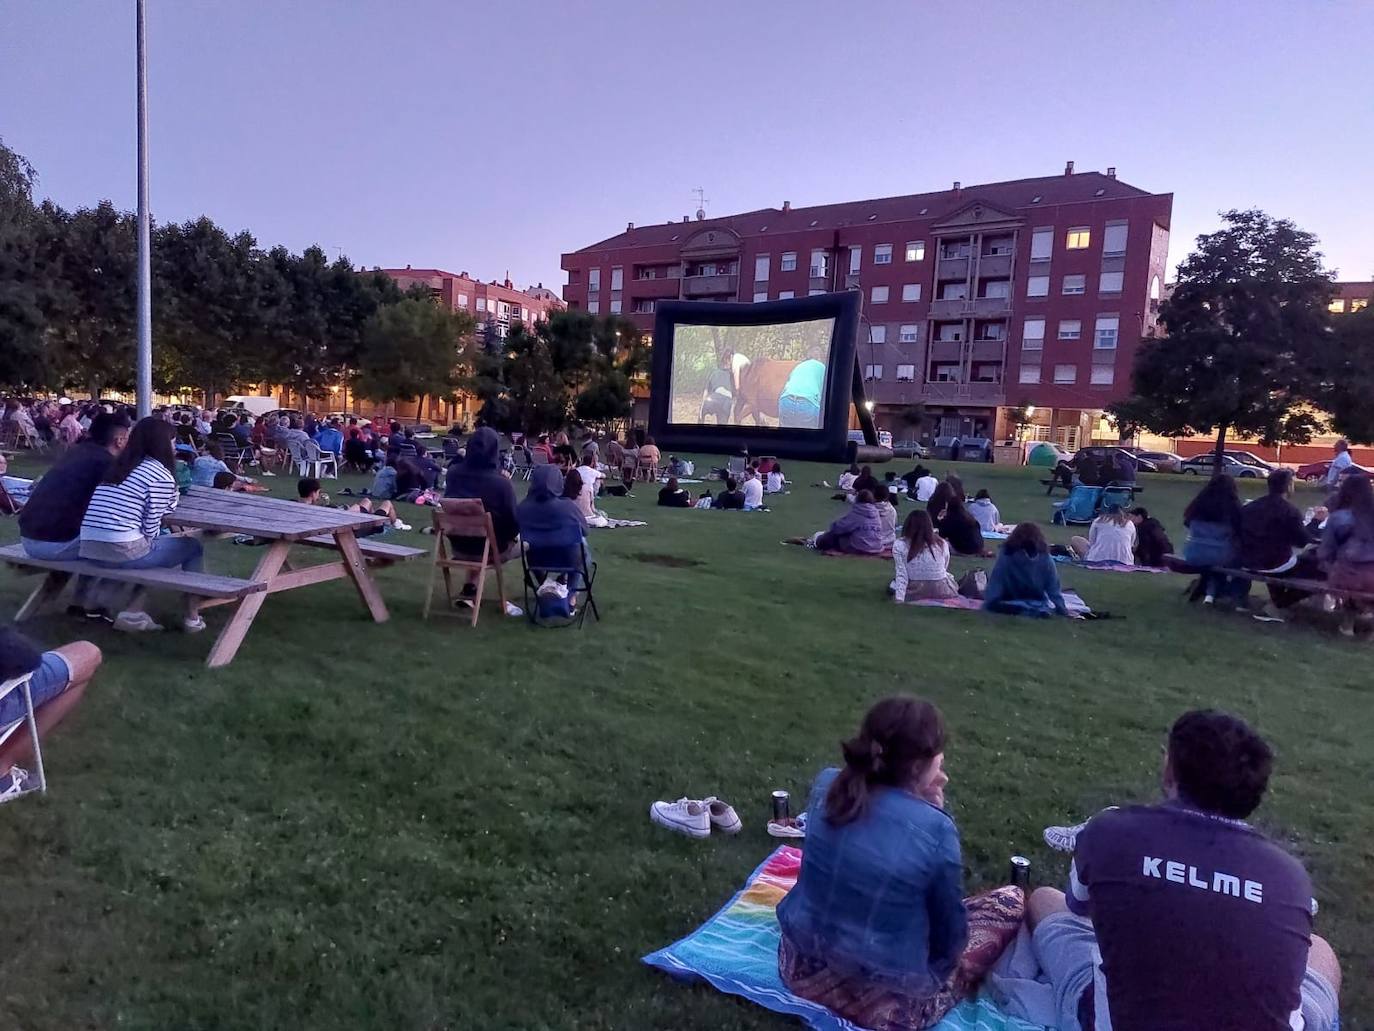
311	461
22	684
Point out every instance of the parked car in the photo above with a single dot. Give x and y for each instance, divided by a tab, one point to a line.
908	449
1251	459
857	436
1201	465
1165	461
1115	456
1315	472
343	418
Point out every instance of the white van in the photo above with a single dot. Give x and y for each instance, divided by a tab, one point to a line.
255	406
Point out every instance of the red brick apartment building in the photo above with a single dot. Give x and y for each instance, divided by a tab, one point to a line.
1351	297
499	303
977	300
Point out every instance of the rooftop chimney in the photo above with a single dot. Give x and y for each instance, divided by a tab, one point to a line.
686	218
629	226
407	268
958	186
1068	168
787	205
1111	171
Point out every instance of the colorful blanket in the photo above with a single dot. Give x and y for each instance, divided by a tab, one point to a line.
1108	567
1071	599
606	523
736	951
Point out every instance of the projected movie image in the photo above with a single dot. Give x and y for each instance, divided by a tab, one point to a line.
770	375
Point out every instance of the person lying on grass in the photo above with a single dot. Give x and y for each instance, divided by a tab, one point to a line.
1111	538
1181	915
857	532
308	490
1024	581
877	929
920	557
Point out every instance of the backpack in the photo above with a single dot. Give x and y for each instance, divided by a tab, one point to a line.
973	584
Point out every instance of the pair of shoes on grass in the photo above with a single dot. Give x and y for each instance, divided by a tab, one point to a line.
696	817
791	827
134	622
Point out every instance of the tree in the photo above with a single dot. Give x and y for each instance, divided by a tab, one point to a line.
25	291
411	348
1246	329
1348	376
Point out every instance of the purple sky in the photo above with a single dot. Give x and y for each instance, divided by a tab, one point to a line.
494	137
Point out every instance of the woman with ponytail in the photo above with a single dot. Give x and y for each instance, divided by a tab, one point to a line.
877	928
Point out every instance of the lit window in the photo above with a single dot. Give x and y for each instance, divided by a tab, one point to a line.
1078	239
1033	334
877	335
615	305
910	333
760	295
761	269
882	254
1042	244
594	280
1114	239
879	295
911	292
1070	329
856	255
593	306
1038	286
1358	304
617	278
906	373
1337	306
916	250
786	295
1109	283
1075	284
1103	375
789	262
1030	374
1104	339
1066	373
873	372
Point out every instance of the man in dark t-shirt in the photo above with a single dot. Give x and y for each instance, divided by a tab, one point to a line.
1181	916
731	496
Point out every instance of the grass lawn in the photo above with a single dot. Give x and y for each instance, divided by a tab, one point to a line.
421	825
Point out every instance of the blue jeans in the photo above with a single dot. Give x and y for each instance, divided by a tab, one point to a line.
52	551
167	551
800	412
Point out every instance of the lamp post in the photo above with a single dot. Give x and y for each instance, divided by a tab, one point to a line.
144	384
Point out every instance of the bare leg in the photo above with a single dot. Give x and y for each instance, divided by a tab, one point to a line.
84	659
1322	959
386	508
1079	545
1045	902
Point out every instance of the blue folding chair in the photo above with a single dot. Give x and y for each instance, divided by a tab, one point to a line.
539	562
1080	508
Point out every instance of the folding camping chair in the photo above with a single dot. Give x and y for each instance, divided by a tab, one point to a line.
524	468
1080	508
22	684
1119	494
537	563
236	455
8	506
465	518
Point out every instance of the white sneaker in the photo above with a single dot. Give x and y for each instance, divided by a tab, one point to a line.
684	816
513	610
135	622
398	525
193	625
723	815
1209	599
268	472
792	827
13	784
1065	839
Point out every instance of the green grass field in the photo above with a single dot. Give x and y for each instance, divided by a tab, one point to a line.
421	825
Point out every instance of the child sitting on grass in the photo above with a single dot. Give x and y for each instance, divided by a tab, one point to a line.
309	492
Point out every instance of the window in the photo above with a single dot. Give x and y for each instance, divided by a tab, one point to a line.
761	269
856	255
1114	239
1109	283
1105	337
906	373
1066	373
909	333
708	269
760	295
954	292
818	264
955	249
873	372
789	262
996	245
944	372
1038	286
1337	306
1033	334
916	250
644	307
615	305
1075	284
1103	375
594	280
877	335
786	295
992	331
593	306
462	300
878	295
1070	329
882	254
1030	374
997	288
645	272
951	332
617	278
1358	304
1042	244
911	291
985	372
813	293
1078	239
481	304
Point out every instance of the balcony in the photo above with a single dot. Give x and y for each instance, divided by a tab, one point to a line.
994	266
951	268
987	350
991	307
964	393
709	286
653	288
950	308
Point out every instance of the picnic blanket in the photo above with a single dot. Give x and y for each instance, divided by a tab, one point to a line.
1071	599
736	951
1108	567
607	523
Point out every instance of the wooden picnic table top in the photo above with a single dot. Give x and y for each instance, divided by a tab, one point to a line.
226	511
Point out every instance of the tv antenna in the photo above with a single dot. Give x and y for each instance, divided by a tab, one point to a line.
700	193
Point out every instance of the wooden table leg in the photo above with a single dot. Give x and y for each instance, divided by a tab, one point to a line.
358	573
45	592
227	644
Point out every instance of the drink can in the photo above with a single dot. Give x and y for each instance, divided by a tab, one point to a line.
782	804
1019	874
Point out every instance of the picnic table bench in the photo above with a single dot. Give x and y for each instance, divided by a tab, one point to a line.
1050	484
1176	564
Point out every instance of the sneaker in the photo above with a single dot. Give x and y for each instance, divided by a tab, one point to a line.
13	784
94	615
723	815
1269	614
792	827
268	472
513	610
1209	599
1065	839
684	816
398	525
135	622
193	625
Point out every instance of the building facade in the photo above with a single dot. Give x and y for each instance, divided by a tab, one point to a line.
1351	297
495	304
978	301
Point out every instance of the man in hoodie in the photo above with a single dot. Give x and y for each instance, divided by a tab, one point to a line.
478	475
552	527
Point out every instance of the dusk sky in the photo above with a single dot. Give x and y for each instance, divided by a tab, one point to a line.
493	137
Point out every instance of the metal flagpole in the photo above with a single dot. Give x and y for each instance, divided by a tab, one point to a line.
145	277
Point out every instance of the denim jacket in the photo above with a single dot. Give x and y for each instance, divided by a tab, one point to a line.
881	897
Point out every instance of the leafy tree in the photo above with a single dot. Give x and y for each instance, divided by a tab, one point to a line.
411	349
535	372
1348	376
1245	333
24	287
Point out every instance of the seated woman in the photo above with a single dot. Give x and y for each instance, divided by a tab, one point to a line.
876	928
921	559
960	528
1213	522
552	528
122	527
356	453
1347	545
887	515
985	511
776	483
1024	580
857	532
938	501
673	496
847	478
865	481
1111	538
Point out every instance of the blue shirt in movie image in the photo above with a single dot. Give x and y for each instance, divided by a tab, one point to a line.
768	376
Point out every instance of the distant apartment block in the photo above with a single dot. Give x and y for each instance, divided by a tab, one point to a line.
499	304
1351	297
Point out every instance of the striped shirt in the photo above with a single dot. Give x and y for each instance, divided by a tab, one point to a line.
132	510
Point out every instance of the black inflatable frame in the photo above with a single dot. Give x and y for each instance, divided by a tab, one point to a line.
844	384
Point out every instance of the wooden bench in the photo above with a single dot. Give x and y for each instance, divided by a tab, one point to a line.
200	585
375	551
1310	586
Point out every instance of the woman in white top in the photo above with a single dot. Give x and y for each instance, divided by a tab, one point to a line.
122	528
1111	538
776	482
921	559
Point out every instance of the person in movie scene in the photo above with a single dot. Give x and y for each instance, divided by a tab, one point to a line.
799	404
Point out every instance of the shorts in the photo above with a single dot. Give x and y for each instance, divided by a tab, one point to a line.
49	680
1067	947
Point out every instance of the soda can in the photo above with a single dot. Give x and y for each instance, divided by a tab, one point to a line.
1019	874
782	804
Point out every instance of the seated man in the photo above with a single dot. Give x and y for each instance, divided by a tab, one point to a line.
59	680
1181	915
308	490
478	475
753	491
50	524
1273	541
329	438
731	497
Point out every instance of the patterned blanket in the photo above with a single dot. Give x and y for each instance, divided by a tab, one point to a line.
736	951
1108	567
